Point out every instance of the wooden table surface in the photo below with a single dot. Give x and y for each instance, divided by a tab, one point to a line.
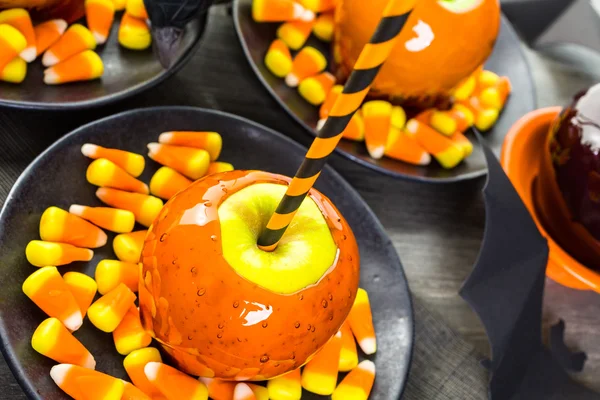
436	229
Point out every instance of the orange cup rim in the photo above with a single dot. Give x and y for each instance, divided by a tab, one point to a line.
562	267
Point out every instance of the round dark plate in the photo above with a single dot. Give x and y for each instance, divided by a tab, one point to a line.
507	59
126	72
57	177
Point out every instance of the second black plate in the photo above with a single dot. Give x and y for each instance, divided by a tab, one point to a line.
507	59
57	177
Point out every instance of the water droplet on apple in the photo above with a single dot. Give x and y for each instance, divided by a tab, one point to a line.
163	237
220	335
349	258
313	329
213	238
190	338
308	327
276	365
344	237
193	271
221	325
201	292
236	304
265	324
301	297
331	316
293	356
239	340
264	359
324	303
330	297
297	325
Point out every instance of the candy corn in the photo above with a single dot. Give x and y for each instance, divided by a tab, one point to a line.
134	33
260	392
218	389
99	15
401	146
189	161
398	117
15	71
113	219
348	354
131	162
109	310
461	141
355	130
84	66
83	289
19	18
130	335
377	116
320	373
209	141
128	246
330	101
286	387
323	27
357	384
110	273
486	118
487	79
219	166
75	40
136	9
319	6
12	42
314	89
47	33
243	392
119	4
360	320
133	393
105	173
47	289
442	148
495	96
166	182
53	340
278	58
308	62
144	207
134	364
443	122
174	385
463	116
57	225
40	253
86	384
465	89
295	33
279	11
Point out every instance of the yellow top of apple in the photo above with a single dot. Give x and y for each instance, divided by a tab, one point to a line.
304	254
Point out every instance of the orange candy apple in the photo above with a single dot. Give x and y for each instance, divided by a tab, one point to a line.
442	43
223	308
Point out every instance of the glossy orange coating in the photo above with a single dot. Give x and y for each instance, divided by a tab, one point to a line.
215	323
522	160
418	72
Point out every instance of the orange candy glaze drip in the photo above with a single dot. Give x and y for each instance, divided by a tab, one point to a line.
213	321
459	43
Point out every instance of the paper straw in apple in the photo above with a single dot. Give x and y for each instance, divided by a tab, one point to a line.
372	56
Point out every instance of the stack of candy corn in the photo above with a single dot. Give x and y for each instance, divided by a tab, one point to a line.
68	53
69	236
382	126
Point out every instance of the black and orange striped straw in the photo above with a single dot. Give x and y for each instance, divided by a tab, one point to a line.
370	60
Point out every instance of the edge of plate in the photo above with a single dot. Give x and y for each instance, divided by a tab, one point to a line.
351	157
13	364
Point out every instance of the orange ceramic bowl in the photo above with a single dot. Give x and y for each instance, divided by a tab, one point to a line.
435	51
199	308
523	158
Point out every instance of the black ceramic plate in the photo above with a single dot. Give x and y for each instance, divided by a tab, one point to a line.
126	72
57	177
507	59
